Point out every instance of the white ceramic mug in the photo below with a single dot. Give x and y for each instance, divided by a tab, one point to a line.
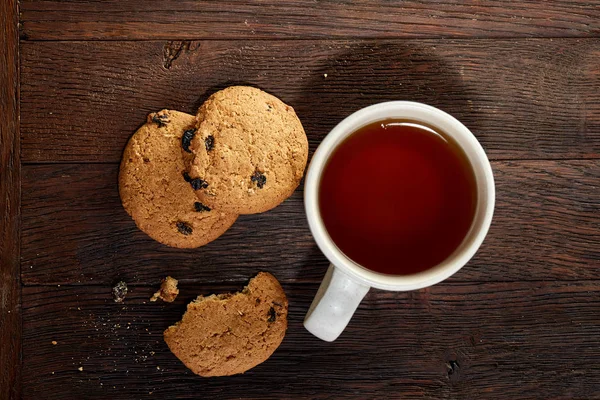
346	282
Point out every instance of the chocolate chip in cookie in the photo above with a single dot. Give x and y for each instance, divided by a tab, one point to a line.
259	178
209	142
272	315
186	139
184	228
196	183
199	207
160	119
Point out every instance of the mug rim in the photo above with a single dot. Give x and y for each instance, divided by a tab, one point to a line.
481	220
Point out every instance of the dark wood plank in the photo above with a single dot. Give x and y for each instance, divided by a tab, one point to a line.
10	177
188	19
453	341
522	98
76	231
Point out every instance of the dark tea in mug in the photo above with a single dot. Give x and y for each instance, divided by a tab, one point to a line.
397	197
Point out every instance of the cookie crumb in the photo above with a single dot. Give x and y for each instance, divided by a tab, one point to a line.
54	342
80	368
184	228
324	75
168	290
119	292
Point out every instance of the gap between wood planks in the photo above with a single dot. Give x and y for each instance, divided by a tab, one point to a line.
241	283
81	234
180	19
532	99
593	158
327	39
10	202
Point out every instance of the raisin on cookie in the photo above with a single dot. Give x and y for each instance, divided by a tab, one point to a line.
154	191
249	151
228	334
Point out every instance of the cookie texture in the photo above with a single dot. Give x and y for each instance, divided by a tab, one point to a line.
249	150
155	192
228	334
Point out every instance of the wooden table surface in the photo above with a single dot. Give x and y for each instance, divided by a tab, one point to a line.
520	321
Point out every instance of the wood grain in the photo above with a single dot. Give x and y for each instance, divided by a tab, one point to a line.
76	231
187	19
496	341
522	98
10	176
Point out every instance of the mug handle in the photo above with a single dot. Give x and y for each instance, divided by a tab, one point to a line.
334	304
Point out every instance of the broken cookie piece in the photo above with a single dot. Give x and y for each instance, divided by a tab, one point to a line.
168	290
227	334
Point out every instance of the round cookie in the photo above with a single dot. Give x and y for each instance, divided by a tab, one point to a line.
153	187
228	334
250	151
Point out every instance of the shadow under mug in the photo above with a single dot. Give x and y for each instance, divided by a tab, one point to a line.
346	282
